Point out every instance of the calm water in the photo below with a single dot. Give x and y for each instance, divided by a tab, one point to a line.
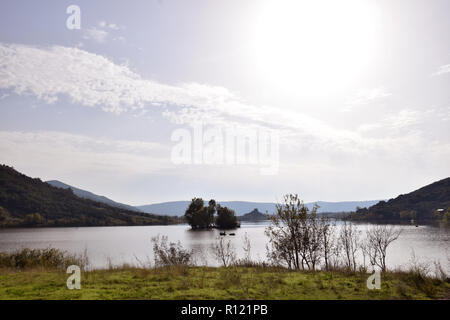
130	244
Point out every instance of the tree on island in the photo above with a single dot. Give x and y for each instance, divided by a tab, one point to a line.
226	218
200	217
211	210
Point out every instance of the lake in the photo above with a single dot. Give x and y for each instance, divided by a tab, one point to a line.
119	245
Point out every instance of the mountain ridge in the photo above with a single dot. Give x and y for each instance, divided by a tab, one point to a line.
91	196
177	208
420	204
30	202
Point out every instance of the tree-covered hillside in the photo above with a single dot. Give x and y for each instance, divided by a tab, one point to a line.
91	196
25	201
427	203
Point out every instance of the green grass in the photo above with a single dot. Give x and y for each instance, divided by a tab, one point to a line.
216	283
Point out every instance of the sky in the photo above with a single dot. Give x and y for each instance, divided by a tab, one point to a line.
167	100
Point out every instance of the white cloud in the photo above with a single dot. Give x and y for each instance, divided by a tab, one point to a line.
366	96
112	26
442	70
405	118
396	146
93	80
65	152
119	38
96	35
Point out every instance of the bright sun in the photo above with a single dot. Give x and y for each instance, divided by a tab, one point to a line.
314	47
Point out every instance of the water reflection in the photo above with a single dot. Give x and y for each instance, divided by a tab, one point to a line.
130	244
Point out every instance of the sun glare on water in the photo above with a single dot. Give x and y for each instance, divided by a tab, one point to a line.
314	47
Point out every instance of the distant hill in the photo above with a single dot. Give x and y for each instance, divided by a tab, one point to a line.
421	204
177	208
28	202
254	215
91	196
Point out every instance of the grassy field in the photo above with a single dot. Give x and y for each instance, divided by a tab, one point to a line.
216	283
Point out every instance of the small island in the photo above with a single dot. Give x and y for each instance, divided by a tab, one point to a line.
200	216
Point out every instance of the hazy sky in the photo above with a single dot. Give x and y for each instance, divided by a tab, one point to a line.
356	90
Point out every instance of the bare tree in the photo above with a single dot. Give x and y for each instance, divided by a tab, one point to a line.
313	240
349	239
224	252
170	254
280	249
330	245
448	259
247	249
295	235
285	232
365	250
379	238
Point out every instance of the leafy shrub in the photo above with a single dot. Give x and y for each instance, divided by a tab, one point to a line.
170	254
224	252
49	258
